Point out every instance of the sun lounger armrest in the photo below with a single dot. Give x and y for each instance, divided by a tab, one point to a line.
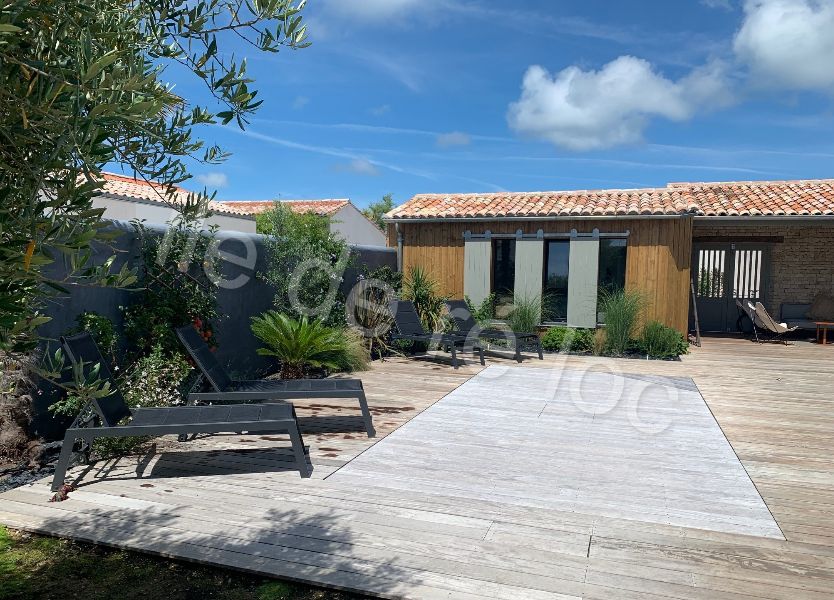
231	397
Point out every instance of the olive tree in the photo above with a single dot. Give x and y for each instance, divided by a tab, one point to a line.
84	83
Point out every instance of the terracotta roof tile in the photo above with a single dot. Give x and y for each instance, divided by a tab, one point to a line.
750	198
323	207
129	188
762	198
660	201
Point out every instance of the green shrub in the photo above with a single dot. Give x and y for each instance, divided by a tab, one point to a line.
568	339
525	315
176	287
297	344
354	354
421	290
622	310
660	341
483	313
101	329
156	379
294	241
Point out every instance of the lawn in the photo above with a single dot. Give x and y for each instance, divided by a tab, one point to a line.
33	566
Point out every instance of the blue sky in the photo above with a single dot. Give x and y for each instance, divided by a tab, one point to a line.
416	96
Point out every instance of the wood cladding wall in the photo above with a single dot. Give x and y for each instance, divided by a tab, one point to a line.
657	264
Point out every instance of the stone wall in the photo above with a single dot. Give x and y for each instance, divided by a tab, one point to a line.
800	266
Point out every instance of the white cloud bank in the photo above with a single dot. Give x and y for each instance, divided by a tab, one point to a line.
788	43
375	11
589	110
454	138
359	166
213	180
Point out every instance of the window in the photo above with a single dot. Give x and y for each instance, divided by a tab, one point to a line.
556	266
503	275
612	264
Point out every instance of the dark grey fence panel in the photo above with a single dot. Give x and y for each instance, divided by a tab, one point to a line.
243	295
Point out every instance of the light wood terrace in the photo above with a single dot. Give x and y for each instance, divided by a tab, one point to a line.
469	513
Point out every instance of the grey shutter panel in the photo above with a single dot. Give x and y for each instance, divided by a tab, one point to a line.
477	258
529	269
583	281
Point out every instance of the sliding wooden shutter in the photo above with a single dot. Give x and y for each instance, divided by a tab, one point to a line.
583	280
529	269
477	270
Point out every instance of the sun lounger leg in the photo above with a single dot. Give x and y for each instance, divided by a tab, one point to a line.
481	355
298	450
366	414
539	348
63	462
454	357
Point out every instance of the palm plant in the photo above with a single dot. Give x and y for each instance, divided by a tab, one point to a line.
421	290
298	344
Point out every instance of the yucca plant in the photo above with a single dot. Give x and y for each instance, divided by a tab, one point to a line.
422	290
483	313
367	309
298	344
622	310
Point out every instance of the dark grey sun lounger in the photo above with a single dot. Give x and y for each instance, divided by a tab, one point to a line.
112	409
465	325
409	327
265	390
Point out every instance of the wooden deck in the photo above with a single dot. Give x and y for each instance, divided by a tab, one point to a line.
237	507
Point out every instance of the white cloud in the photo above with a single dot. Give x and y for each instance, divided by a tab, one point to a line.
329	151
788	43
213	180
722	4
454	138
359	166
300	102
375	11
587	110
378	111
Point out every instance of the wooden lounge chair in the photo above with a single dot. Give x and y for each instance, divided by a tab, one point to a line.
465	325
409	327
765	322
111	410
225	389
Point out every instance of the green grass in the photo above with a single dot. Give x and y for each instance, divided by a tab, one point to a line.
37	567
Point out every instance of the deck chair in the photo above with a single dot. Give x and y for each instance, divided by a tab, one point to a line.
465	325
745	308
225	389
102	417
409	327
765	322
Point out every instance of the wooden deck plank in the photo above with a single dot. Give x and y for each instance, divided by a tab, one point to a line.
242	510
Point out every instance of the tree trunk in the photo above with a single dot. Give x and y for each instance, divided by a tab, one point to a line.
15	407
292	371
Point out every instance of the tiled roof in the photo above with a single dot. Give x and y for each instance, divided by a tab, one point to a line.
660	201
324	207
763	198
128	188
